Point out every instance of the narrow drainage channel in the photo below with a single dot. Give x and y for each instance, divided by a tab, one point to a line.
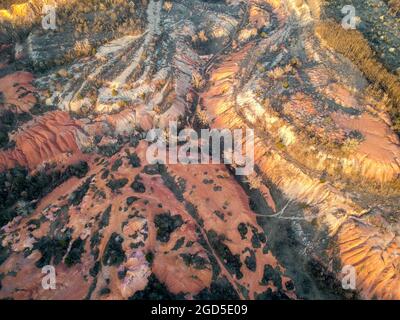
296	244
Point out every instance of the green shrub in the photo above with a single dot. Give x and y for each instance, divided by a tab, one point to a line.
74	255
166	224
114	254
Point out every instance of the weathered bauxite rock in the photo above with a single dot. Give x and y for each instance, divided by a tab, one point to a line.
293	147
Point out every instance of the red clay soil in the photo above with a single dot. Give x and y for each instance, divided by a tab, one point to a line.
51	137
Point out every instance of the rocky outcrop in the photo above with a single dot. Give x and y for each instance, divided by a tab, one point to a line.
326	154
51	138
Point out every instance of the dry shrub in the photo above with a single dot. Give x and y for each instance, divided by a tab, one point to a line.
202	117
197	80
202	36
82	48
279	72
167	6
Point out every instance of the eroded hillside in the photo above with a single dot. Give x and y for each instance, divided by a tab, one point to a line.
77	191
